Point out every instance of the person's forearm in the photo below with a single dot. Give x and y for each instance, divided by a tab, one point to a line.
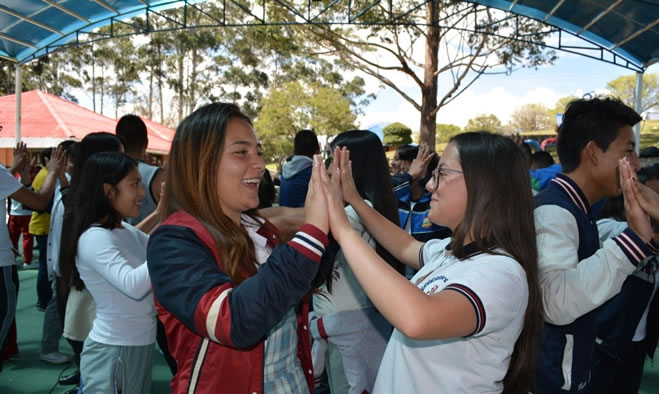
149	223
399	301
399	243
45	193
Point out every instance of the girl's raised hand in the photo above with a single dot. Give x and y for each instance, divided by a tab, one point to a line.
338	221
315	205
57	161
419	167
344	173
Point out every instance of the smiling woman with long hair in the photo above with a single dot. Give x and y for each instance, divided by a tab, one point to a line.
231	296
469	320
110	259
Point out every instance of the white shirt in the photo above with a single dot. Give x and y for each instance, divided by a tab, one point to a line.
55	233
8	186
497	287
17	209
347	294
112	263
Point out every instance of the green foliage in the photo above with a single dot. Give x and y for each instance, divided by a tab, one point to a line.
292	107
484	123
397	134
559	107
532	117
444	132
625	89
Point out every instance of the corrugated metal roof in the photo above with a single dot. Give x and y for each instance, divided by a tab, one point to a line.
627	28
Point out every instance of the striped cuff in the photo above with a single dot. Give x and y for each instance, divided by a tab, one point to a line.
634	248
475	302
310	241
654	247
321	329
317	329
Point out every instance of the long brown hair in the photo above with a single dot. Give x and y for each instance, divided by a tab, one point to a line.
194	159
499	214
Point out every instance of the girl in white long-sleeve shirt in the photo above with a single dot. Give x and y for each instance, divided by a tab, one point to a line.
110	259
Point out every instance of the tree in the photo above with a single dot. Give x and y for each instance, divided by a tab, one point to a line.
444	132
440	25
292	107
625	89
560	107
397	134
484	123
532	117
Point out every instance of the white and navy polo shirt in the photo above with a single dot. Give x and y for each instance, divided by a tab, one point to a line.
497	288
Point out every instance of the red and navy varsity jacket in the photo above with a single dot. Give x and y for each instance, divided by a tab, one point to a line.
215	328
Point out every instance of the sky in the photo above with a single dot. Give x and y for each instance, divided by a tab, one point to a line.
501	94
497	94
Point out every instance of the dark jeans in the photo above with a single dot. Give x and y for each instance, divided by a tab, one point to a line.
8	296
44	289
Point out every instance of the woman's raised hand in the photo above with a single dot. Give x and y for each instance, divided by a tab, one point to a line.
342	176
419	167
315	205
57	162
332	188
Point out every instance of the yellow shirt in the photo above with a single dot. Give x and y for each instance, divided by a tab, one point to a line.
40	222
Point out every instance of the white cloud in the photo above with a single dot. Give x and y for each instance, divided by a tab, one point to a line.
389	107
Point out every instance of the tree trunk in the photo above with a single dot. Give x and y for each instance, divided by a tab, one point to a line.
102	87
149	111
93	82
162	109
181	100
192	82
429	90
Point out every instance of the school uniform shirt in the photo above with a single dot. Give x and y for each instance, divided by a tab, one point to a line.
496	286
112	263
8	186
577	274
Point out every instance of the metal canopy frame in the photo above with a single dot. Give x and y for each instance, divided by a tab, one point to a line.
311	12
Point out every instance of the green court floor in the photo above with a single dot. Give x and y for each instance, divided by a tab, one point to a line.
26	374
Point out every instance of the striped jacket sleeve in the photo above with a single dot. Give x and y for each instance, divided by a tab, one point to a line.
572	288
188	283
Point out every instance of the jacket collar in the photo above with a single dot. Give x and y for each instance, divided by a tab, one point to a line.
573	191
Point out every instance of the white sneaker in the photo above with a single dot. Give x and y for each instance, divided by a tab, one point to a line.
55	358
26	266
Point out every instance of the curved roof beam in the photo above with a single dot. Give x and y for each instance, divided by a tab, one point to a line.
66	10
600	16
29	20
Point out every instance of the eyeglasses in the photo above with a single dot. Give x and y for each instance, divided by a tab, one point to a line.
439	173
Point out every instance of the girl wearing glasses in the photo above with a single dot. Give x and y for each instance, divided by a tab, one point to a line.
469	320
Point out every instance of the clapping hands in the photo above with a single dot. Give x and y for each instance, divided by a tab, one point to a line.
327	194
640	201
